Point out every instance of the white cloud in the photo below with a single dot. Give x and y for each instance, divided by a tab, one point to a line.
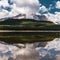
4	3
51	7
43	8
27	7
3	13
54	17
58	4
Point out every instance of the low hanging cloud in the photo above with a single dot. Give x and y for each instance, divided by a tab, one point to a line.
55	18
4	14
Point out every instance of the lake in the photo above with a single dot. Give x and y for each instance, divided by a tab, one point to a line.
22	46
28	37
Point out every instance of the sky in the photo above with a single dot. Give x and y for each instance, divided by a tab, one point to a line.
49	8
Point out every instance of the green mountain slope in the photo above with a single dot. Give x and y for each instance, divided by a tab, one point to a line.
27	24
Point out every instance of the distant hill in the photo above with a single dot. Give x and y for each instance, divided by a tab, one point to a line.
27	24
19	21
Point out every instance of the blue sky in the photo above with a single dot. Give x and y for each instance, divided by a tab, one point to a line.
50	3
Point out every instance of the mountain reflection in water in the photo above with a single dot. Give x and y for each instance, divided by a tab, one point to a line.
16	51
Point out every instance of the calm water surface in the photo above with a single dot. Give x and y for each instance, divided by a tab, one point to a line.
21	46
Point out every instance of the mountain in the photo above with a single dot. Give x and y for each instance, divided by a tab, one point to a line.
36	17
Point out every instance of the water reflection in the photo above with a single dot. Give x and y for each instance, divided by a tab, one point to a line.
28	37
51	51
43	46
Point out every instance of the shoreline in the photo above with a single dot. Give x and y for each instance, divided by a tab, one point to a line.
56	31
